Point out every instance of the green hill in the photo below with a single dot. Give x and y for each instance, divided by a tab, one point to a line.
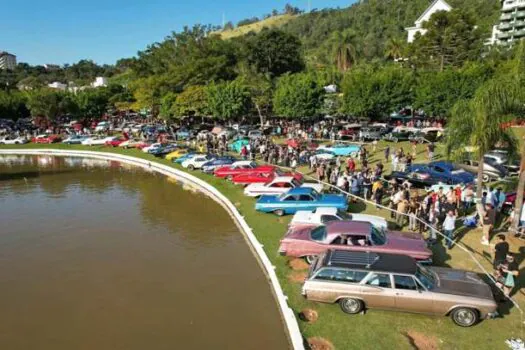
271	22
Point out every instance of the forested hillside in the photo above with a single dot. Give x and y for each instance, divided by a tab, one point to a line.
371	23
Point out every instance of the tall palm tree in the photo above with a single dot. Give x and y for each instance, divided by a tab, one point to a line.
394	49
478	122
345	50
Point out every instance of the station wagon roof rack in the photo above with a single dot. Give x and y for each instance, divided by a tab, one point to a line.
382	262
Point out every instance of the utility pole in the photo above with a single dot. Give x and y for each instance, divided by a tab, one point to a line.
223	19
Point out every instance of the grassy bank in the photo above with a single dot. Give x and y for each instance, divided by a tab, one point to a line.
376	329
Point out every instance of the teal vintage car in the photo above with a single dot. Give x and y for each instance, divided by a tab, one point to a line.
237	145
300	198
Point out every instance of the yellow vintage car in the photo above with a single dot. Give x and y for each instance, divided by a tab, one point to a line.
177	153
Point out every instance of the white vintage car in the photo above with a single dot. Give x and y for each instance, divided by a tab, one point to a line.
321	216
278	185
196	162
11	140
152	147
96	140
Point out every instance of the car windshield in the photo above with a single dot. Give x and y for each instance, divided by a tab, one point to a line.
426	277
319	234
378	236
296	183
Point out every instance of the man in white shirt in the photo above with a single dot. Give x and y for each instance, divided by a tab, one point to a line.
449	225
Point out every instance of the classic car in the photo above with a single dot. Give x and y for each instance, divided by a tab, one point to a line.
116	141
210	166
255	134
399	135
424	175
491	169
134	143
162	151
152	147
197	161
185	157
237	145
310	241
75	139
427	135
179	152
46	139
102	126
183	134
278	185
242	167
322	216
12	140
296	143
366	280
371	133
96	140
324	155
343	149
349	131
299	198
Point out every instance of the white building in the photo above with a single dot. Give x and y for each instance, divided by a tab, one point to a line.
57	85
437	5
7	60
99	82
511	25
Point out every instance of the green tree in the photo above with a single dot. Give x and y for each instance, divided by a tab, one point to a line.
228	100
298	95
344	49
13	105
394	49
47	103
167	104
260	88
193	101
275	52
92	102
452	38
372	92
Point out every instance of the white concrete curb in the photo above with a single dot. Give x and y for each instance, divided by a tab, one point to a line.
288	315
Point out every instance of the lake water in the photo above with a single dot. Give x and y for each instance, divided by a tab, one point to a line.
99	255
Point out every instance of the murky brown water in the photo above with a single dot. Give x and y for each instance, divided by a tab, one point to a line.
95	255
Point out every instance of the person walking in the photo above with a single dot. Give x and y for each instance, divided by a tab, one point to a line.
501	249
412	212
402	207
449	225
489	218
387	154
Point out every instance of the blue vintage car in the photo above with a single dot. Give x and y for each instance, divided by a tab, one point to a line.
210	166
163	150
299	198
343	149
183	134
423	175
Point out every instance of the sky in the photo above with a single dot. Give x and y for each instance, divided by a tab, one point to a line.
65	31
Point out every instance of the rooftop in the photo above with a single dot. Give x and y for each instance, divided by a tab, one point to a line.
381	262
354	227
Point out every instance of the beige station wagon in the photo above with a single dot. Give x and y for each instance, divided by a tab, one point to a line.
364	280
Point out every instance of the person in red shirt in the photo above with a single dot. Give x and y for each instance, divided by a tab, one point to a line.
350	164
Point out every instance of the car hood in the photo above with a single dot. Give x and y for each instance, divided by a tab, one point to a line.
333	198
407	241
301	232
464	175
464	283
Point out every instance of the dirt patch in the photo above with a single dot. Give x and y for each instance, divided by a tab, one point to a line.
419	341
297	276
318	343
309	315
298	265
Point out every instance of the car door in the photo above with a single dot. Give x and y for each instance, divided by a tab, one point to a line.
377	291
410	296
306	202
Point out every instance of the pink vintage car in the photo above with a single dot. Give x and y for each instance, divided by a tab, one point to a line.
309	242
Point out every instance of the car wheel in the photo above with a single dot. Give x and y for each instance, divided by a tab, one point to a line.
465	317
353	154
395	140
191	167
486	178
17	143
2	143
420	141
310	259
229	177
279	212
351	306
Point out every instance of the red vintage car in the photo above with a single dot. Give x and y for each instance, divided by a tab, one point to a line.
46	139
264	177
116	141
243	167
296	143
310	242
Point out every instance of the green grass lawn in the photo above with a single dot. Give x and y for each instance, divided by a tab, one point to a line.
376	329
